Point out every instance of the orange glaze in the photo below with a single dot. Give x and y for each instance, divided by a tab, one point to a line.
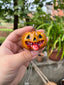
33	40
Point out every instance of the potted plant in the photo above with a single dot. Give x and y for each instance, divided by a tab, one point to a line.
55	46
55	33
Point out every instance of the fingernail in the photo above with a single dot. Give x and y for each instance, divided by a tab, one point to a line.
47	38
34	54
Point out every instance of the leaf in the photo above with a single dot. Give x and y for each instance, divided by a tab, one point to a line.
59	43
62	53
62	38
55	43
41	26
49	29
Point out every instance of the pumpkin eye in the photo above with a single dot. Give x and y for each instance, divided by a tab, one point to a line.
28	37
40	36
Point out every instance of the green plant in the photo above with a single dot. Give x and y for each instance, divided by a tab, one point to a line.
56	36
40	19
7	30
2	39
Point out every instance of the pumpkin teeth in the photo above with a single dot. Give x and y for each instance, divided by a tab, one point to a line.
34	43
28	43
39	43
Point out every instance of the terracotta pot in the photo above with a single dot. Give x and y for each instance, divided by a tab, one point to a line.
55	56
39	58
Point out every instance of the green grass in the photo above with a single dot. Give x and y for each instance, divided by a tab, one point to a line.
2	39
5	30
9	30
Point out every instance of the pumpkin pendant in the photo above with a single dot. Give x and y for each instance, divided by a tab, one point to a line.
33	40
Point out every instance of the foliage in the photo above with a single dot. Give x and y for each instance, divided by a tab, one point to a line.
39	19
60	4
2	39
55	33
6	10
5	30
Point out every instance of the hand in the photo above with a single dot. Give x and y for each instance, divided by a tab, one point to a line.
14	59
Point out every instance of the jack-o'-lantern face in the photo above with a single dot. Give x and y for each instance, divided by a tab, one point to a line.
33	40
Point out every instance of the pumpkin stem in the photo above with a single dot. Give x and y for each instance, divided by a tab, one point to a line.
33	29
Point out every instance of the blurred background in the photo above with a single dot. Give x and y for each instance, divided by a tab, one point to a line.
44	14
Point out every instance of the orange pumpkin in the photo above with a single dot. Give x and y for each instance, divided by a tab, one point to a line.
33	40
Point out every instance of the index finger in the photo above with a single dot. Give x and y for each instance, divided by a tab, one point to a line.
41	30
15	35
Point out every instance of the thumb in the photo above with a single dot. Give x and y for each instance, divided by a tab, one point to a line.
20	58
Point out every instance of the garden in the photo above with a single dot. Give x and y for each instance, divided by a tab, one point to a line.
46	15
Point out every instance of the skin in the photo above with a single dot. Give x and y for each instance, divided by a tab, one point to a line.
14	59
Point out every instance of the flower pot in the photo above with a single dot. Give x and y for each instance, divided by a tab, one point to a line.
55	56
40	57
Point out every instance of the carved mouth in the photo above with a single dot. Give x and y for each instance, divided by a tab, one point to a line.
28	43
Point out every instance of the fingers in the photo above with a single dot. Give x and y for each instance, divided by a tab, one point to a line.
15	35
21	58
47	39
19	43
34	53
41	30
